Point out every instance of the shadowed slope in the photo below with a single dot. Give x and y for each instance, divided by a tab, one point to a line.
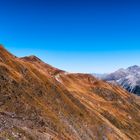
38	102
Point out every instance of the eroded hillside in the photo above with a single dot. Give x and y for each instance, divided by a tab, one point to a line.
40	102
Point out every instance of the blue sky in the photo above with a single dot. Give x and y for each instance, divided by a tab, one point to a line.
75	35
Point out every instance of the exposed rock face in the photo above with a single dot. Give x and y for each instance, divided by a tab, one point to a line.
39	102
128	78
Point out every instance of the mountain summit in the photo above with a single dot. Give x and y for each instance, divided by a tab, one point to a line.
128	78
40	102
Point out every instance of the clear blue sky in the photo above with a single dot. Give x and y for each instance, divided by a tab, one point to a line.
75	35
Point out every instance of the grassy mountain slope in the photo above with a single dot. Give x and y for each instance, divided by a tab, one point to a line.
40	102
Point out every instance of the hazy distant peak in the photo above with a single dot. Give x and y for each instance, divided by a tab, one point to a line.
134	68
128	78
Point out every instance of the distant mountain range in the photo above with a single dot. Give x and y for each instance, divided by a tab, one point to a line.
128	78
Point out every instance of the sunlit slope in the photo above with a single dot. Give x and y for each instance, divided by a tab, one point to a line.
40	102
